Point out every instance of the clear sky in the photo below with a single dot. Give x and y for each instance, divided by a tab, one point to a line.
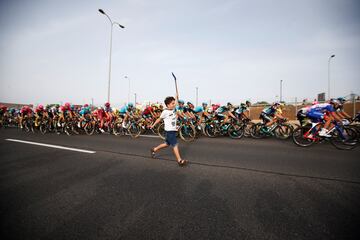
233	50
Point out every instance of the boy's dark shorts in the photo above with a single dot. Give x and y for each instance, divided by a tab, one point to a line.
170	138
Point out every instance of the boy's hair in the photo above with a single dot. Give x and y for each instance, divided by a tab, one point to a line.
168	100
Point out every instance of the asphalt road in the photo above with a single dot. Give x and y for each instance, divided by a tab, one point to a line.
232	189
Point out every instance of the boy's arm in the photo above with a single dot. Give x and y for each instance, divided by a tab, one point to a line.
156	122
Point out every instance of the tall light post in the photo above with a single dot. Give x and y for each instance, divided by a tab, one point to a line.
281	81
128	89
329	75
135	99
112	24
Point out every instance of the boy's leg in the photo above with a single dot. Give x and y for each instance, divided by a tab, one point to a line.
161	146
177	153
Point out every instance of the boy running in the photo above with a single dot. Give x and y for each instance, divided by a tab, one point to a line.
170	117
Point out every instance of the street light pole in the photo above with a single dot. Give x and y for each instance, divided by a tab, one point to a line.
135	99
329	75
112	24
281	81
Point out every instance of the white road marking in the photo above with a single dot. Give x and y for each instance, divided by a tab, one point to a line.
50	145
149	136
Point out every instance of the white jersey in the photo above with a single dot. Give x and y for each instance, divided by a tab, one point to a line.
169	117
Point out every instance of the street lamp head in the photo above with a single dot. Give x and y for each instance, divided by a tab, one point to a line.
332	55
102	11
121	26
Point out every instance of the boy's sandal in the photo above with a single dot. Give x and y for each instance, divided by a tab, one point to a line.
182	162
152	152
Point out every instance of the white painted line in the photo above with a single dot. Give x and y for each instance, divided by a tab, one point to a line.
149	136
50	145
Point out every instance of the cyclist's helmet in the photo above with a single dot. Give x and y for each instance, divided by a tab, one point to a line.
341	100
215	106
334	101
57	105
276	104
204	104
248	103
130	105
41	107
107	104
181	101
229	104
86	105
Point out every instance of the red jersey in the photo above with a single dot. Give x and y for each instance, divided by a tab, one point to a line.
148	110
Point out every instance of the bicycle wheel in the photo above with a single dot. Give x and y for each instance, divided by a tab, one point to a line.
300	137
211	130
68	128
161	131
89	128
134	130
256	131
247	129
236	131
43	127
187	132
118	129
283	131
344	138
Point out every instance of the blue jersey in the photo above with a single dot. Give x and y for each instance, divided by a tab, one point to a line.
221	110
84	110
241	110
123	110
322	107
126	109
269	111
199	109
178	108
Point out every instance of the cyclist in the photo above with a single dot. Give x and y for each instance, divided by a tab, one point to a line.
84	113
158	110
100	115
189	110
148	113
243	111
180	109
340	111
40	112
223	113
324	112
25	111
127	111
64	113
3	110
269	114
109	115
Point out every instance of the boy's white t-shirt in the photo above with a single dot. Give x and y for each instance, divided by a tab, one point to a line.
169	117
